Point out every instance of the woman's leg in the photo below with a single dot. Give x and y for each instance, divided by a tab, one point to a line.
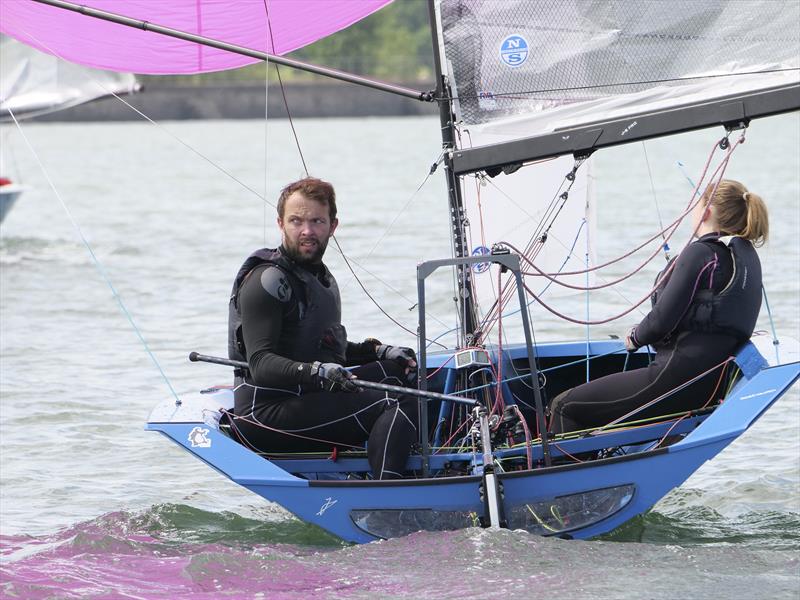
608	398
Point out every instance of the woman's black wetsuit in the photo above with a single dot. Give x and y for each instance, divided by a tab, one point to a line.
290	318
703	311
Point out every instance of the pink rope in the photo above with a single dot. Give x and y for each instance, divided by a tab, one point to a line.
489	320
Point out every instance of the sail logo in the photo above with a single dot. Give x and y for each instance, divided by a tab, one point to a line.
483	266
514	50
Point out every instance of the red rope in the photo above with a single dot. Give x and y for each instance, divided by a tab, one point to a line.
491	317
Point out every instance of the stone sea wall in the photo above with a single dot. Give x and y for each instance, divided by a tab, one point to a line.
246	101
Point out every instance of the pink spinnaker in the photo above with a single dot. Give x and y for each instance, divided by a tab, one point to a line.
104	45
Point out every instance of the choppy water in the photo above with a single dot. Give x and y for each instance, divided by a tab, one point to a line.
92	506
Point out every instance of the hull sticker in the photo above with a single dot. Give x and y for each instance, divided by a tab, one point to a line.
198	438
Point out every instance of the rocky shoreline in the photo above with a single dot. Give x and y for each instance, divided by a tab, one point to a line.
246	101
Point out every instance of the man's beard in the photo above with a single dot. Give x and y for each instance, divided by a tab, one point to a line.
293	251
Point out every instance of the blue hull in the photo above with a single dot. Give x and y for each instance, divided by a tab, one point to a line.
578	500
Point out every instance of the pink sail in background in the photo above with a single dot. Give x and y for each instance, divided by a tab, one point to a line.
104	45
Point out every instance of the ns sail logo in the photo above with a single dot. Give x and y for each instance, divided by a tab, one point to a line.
514	50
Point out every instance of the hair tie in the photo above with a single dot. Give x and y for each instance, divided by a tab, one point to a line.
746	196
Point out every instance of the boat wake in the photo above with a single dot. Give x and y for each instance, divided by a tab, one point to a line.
175	550
15	250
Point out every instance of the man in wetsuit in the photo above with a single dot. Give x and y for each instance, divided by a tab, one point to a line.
705	308
285	320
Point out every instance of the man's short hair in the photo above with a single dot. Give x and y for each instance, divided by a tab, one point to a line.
313	189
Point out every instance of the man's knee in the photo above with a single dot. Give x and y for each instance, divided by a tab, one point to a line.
559	403
392	369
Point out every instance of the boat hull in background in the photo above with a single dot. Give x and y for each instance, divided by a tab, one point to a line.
9	194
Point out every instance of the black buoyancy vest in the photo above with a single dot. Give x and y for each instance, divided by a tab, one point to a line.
734	310
313	331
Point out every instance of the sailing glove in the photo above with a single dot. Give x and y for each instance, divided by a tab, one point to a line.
404	356
363	352
630	341
333	377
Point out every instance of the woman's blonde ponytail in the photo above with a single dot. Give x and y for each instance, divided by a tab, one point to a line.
740	212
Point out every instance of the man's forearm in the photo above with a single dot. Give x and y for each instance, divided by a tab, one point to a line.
271	370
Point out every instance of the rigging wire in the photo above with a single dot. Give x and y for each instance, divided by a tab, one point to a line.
396	217
96	261
266	133
158	125
229	175
672	226
550	309
539	236
674	223
549	283
775	341
666	272
375	302
194	150
655	200
305	168
283	91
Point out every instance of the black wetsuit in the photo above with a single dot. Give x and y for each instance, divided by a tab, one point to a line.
703	311
290	318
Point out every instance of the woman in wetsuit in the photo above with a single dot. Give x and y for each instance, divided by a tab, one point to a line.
705	307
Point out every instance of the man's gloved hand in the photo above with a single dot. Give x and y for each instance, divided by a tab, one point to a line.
333	377
630	341
399	354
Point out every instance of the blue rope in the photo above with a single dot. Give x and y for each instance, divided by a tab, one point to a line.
549	283
527	375
682	167
775	341
96	261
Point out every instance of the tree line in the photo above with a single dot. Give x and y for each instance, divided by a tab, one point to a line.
392	44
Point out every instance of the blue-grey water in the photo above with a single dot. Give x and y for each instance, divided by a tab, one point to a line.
91	506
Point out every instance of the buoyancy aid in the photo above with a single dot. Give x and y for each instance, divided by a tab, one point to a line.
312	329
734	309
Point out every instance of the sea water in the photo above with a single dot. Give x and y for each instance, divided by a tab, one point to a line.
92	506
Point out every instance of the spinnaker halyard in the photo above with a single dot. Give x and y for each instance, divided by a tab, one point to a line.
528	92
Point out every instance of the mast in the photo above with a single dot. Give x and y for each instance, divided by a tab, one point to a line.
458	220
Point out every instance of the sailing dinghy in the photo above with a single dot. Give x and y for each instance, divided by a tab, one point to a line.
33	84
528	91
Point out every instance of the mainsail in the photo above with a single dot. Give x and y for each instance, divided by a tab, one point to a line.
535	79
528	68
569	62
34	83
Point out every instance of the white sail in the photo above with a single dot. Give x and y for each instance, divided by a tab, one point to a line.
569	62
34	83
520	69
